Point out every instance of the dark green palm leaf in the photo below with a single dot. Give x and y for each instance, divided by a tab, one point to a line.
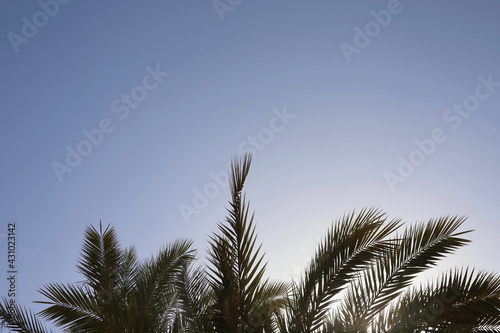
419	248
350	245
101	258
156	284
195	300
19	319
460	301
74	307
237	268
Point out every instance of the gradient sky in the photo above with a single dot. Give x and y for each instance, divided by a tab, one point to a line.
353	117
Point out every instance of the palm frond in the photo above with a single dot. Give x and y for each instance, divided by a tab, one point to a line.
237	268
129	270
459	301
75	307
350	245
156	283
19	319
101	258
195	300
419	248
266	313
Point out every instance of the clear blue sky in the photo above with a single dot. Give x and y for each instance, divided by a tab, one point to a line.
331	97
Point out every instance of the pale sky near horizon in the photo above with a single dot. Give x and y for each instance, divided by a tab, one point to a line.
128	113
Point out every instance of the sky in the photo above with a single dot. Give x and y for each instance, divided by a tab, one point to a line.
129	112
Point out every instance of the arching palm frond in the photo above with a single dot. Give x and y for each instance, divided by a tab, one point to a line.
195	300
74	307
266	315
19	319
459	301
350	245
419	248
156	286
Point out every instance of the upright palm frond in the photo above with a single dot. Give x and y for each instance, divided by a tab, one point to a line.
101	258
236	274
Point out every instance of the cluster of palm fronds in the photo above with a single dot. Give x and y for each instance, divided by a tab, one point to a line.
359	280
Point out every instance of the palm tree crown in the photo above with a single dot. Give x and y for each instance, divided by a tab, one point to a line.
360	279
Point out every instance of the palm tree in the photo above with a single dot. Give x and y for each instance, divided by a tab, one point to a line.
361	269
119	293
20	319
359	280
